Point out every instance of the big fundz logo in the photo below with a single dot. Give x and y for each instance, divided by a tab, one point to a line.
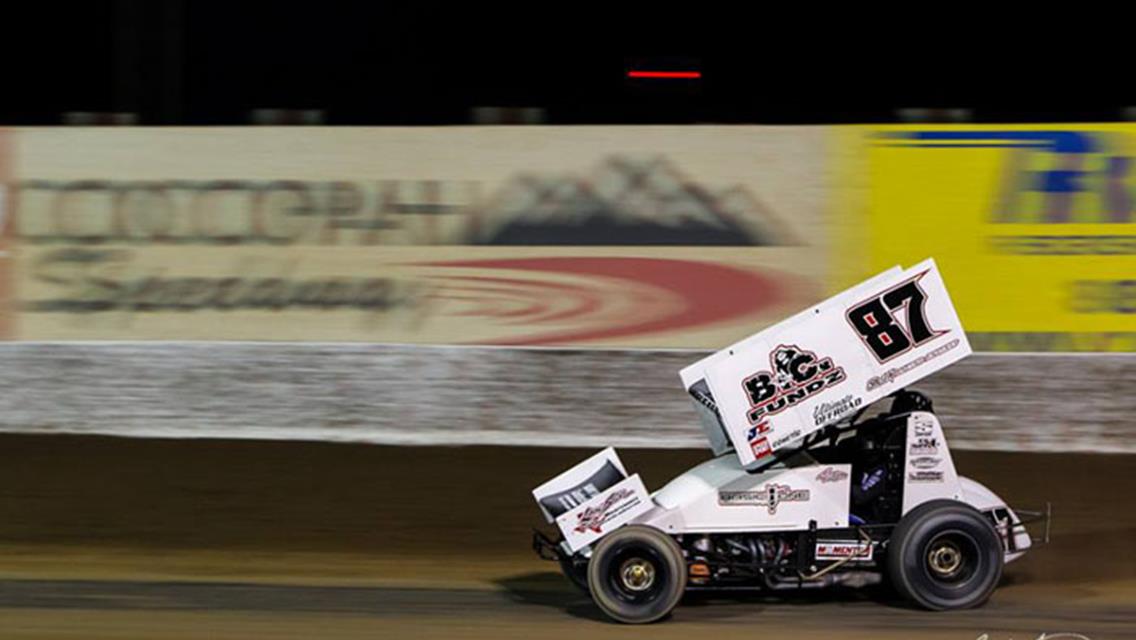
795	375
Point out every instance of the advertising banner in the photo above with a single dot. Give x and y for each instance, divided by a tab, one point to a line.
1036	225
782	384
596	236
7	303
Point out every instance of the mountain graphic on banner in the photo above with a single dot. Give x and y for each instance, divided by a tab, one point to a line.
625	202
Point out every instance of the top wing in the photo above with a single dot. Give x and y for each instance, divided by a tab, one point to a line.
777	386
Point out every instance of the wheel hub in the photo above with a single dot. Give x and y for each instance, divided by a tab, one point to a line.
944	559
637	574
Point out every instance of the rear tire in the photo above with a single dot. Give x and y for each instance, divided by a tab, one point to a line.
944	555
637	574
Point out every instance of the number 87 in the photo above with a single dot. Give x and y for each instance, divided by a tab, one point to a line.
874	320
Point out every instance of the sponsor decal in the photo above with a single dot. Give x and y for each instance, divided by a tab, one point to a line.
758	443
882	332
761	448
594	518
925	462
769	496
831	474
827	412
795	374
785	439
871	479
575	497
603	479
841	549
925	476
924	446
757	431
892	374
923	428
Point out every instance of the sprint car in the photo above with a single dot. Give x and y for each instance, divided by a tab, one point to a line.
826	470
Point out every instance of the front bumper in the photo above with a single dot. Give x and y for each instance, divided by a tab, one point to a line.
1025	517
546	547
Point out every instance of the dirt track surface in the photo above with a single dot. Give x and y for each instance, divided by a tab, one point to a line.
116	538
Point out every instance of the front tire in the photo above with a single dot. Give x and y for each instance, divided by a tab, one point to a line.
944	555
637	574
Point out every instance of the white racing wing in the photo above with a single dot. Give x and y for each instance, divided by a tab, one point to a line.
779	385
592	499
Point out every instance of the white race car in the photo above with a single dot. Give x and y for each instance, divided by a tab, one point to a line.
826	472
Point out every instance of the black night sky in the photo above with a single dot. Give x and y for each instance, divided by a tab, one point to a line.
207	62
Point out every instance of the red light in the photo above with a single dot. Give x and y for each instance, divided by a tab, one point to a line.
670	75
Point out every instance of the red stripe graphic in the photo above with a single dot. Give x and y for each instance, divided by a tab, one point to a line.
681	294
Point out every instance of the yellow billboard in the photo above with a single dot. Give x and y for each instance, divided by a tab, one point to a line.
1033	226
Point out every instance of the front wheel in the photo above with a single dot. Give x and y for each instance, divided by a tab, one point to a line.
637	574
944	555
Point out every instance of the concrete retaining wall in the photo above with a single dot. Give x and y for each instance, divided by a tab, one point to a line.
460	395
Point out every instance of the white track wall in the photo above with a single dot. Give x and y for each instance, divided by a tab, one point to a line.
417	395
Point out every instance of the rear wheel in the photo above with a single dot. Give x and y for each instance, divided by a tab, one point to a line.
637	574
944	555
